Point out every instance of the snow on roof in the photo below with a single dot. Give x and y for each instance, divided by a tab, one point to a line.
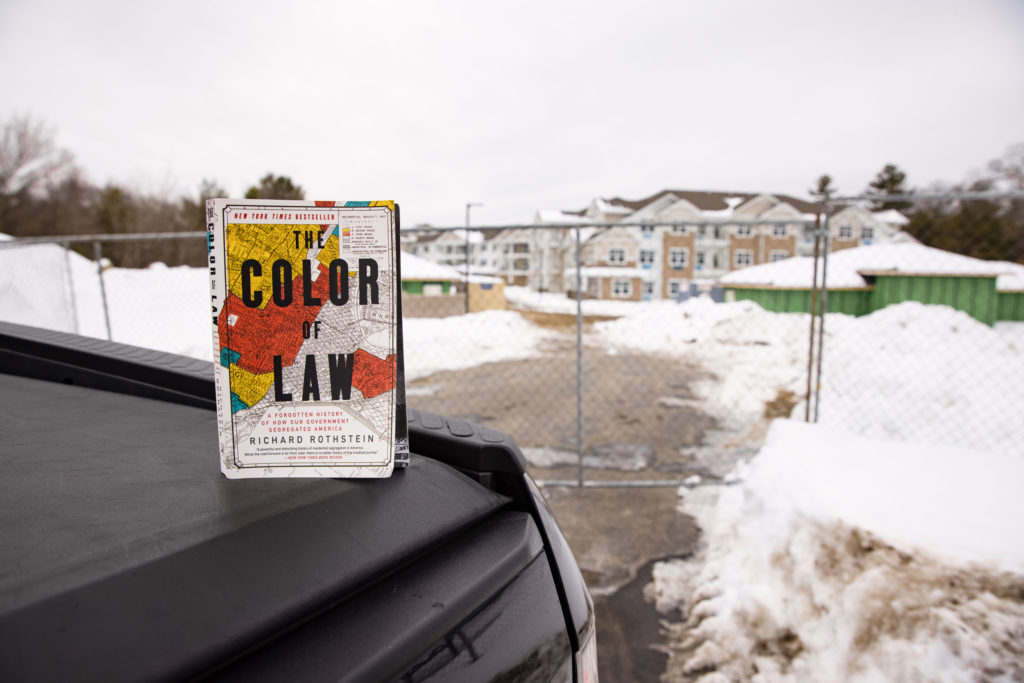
890	216
1013	281
557	216
416	268
607	207
847	267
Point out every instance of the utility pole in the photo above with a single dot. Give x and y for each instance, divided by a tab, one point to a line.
469	205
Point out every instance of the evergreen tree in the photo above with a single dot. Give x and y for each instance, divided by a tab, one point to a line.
889	181
275	187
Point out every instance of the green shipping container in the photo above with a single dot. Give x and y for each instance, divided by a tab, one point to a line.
1010	306
849	301
974	295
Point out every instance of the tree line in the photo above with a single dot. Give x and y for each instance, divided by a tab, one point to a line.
991	229
44	193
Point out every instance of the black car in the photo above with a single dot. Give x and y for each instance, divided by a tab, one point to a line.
127	556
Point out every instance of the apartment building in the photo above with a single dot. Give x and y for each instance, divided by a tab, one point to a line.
658	246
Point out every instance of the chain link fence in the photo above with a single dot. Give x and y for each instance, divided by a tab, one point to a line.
924	335
652	353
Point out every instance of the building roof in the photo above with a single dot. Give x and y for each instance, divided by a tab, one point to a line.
416	268
714	201
847	268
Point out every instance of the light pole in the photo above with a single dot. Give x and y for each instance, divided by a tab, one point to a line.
469	205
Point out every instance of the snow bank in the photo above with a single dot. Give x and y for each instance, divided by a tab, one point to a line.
45	285
926	373
841	557
549	302
168	309
908	371
457	342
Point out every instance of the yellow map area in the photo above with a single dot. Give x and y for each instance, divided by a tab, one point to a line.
330	252
388	203
249	387
266	244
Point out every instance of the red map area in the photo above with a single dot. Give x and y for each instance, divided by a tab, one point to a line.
371	375
259	334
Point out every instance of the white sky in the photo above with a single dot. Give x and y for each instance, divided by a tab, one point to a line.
520	105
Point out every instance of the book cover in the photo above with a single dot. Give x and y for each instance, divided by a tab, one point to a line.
307	336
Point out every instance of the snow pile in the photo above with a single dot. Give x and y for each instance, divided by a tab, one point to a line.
926	373
457	342
159	308
908	371
45	285
549	302
840	557
168	309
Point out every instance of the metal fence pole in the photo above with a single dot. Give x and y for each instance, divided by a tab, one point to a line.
97	251
71	287
824	309
814	320
579	358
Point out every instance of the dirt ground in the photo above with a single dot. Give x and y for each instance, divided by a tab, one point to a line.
616	533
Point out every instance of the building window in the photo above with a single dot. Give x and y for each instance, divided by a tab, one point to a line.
702	231
718	232
648	289
520	248
845	232
622	288
521	264
700	260
867	233
646	258
779	230
616	255
744	257
808	233
744	229
714	260
647	229
675	288
679	229
779	255
677	257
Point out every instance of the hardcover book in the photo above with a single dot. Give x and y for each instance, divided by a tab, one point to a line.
306	306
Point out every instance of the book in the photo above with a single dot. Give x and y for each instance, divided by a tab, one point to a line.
306	309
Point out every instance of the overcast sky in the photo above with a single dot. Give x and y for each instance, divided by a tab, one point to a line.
518	105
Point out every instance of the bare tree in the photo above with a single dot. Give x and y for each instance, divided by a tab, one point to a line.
28	156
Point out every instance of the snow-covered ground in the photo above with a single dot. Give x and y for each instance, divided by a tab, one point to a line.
879	544
168	309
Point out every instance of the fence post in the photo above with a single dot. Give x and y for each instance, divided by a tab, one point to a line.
71	286
824	308
97	252
579	359
814	319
